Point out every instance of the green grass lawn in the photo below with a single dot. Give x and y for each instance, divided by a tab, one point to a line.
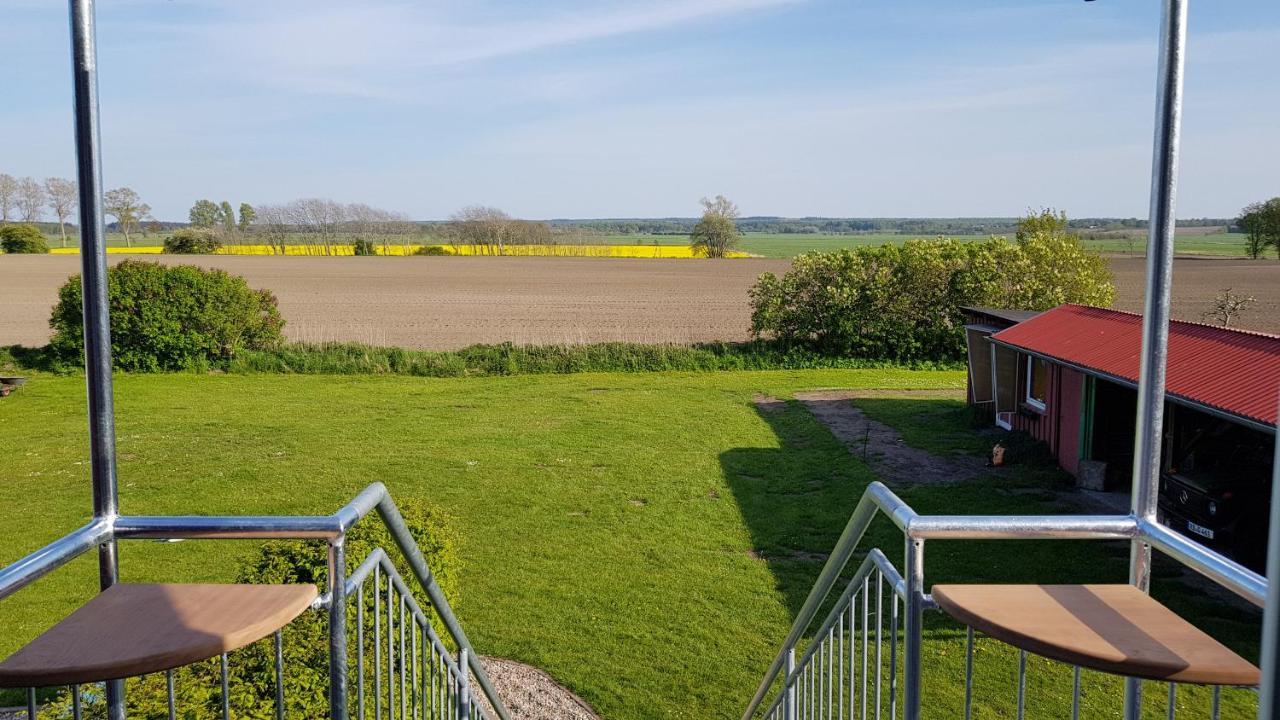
645	538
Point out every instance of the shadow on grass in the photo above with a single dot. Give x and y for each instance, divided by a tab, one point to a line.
796	498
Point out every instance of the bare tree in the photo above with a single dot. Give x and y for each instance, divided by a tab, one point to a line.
63	200
487	229
30	199
273	223
318	218
8	196
128	209
1227	307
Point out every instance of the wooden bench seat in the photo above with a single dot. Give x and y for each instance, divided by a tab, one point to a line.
130	630
1112	628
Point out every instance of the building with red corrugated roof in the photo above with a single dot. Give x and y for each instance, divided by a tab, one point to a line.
1068	377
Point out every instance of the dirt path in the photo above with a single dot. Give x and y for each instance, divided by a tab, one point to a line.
894	462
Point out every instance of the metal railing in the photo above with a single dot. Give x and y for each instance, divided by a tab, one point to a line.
423	676
819	685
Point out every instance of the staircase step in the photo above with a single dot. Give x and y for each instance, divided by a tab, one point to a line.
1113	628
134	629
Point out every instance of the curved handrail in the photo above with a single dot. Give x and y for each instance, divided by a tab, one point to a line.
878	498
262	527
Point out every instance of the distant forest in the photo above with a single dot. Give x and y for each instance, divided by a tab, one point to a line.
855	226
798	226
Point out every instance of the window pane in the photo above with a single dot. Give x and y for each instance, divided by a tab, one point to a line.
1039	380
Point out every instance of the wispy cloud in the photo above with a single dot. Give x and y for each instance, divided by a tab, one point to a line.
378	49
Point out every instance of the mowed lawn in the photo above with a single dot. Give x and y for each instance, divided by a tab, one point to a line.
645	538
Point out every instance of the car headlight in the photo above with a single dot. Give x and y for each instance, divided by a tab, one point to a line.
1213	508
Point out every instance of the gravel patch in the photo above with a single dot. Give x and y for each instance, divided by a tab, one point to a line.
531	694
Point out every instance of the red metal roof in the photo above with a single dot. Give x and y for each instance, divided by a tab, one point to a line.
1234	371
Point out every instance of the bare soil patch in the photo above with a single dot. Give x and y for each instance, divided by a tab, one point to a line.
1197	280
443	303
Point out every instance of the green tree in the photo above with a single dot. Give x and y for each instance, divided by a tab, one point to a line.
228	217
716	234
247	216
128	209
1261	224
205	214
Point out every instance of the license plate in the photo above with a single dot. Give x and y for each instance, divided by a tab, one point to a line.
1200	530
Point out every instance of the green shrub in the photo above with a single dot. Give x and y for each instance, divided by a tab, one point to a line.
305	641
364	247
171	318
192	241
903	302
22	239
433	250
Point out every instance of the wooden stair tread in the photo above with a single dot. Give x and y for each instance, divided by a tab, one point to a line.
1112	628
130	630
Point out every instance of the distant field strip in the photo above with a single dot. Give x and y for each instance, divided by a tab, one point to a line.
615	251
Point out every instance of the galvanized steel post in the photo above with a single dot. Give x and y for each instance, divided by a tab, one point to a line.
337	592
464	685
913	573
789	688
97	323
1148	448
1268	707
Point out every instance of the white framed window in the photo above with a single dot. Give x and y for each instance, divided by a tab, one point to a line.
1037	382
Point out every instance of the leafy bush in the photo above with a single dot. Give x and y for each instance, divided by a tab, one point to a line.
433	250
171	318
192	241
22	239
363	246
903	302
305	641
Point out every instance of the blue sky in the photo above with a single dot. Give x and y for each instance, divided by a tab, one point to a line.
634	108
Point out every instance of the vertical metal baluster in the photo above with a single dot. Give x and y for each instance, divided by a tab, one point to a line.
169	695
435	691
820	677
404	666
77	711
413	634
789	687
1215	709
31	704
853	650
1022	683
893	655
1173	700
391	647
840	650
226	688
968	673
879	634
279	643
360	650
1075	693
831	648
866	645
464	685
377	643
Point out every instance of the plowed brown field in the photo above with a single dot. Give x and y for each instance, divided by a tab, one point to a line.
450	302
